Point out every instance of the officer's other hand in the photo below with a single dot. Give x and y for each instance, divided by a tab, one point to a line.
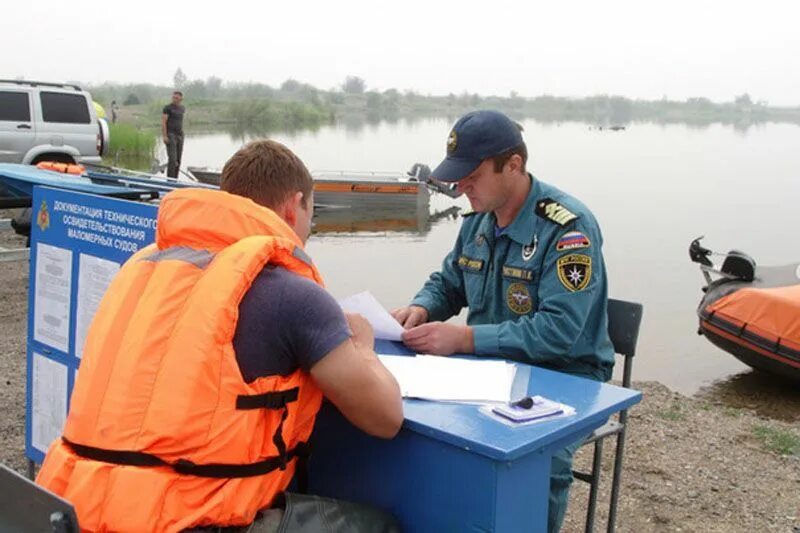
410	316
363	336
439	338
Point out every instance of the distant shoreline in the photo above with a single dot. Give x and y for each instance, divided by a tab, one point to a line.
295	105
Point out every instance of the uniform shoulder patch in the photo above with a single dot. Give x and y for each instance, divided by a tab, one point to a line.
555	212
572	240
574	271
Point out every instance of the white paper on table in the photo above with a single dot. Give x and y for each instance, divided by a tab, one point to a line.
438	378
94	277
49	405
383	324
51	299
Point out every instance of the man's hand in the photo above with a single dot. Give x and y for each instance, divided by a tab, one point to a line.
410	316
166	139
440	338
363	336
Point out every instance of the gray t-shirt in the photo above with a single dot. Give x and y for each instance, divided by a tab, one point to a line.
174	117
286	322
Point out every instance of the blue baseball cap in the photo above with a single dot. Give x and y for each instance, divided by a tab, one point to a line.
476	136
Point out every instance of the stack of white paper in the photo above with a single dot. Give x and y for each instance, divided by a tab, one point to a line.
451	378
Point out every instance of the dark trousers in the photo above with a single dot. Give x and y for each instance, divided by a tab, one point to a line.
174	153
300	513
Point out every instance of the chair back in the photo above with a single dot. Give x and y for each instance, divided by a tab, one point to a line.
25	506
624	319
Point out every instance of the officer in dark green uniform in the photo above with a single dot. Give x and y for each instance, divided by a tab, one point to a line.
527	264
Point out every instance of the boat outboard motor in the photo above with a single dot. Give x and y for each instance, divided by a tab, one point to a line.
698	254
739	265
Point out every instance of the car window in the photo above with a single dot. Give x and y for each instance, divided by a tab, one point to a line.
68	108
14	106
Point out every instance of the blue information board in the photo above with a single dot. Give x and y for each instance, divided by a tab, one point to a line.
78	243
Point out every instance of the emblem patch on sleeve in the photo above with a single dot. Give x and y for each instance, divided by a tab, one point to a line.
554	212
574	271
519	299
573	240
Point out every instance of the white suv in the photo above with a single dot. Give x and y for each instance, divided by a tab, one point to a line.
49	122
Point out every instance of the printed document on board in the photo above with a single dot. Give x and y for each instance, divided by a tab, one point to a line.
53	279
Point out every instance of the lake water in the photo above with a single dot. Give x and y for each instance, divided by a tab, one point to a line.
653	188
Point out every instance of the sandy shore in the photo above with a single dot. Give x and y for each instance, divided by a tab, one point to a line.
727	460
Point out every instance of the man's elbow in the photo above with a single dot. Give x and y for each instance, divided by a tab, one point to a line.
386	421
390	425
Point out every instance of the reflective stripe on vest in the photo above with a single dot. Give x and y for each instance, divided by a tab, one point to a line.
198	258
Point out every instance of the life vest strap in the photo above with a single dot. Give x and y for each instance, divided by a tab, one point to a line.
186	467
268	400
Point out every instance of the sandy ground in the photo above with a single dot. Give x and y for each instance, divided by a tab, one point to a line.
727	460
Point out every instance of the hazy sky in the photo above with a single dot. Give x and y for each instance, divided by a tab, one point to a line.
640	49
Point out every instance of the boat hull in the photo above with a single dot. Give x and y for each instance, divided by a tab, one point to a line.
752	320
752	355
353	192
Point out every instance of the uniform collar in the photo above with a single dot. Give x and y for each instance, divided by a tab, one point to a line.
521	230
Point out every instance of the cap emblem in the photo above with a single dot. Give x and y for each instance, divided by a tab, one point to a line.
452	142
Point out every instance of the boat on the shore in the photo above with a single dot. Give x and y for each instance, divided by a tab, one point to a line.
345	202
385	190
751	311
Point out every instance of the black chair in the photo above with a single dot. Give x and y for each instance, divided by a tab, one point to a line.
26	507
624	319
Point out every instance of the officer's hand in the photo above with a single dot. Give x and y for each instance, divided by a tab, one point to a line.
439	338
363	336
410	316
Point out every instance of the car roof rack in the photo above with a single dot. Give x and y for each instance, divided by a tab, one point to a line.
42	83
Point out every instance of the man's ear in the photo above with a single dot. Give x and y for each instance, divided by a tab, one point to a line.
515	163
291	207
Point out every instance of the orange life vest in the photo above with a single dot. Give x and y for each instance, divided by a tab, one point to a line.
66	168
163	433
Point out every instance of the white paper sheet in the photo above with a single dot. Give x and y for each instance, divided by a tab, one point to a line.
94	277
383	324
49	409
432	377
51	300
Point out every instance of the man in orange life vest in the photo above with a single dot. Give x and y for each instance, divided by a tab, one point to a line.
207	360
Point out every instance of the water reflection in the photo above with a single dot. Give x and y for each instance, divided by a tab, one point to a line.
653	187
335	219
768	396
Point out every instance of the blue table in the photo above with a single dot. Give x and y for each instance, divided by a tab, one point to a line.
452	468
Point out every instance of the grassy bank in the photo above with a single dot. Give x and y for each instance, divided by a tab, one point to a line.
250	113
129	141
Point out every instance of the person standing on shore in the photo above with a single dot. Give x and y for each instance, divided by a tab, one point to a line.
527	264
172	132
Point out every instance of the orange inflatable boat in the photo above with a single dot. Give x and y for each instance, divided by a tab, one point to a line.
750	311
